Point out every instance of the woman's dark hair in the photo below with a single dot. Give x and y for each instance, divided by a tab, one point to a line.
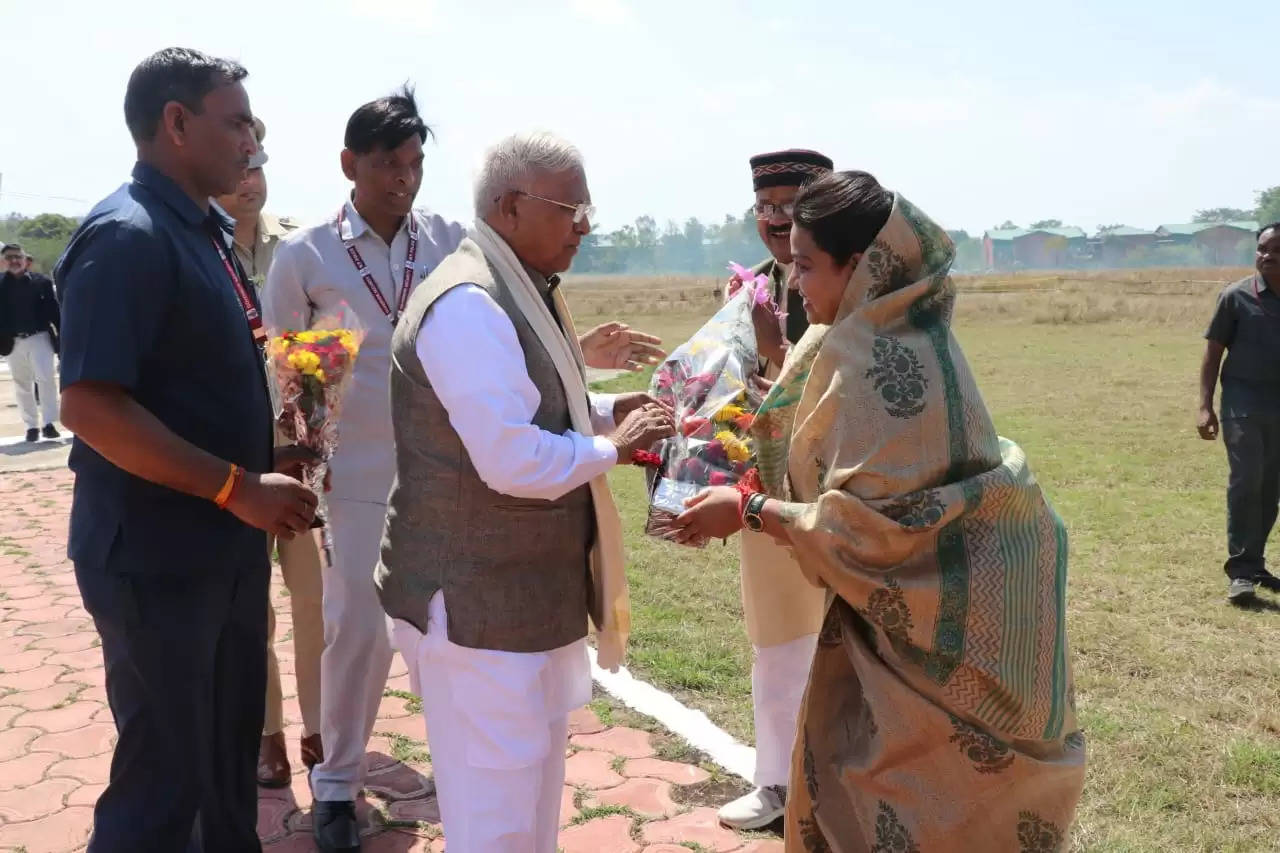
1265	228
385	123
844	211
173	74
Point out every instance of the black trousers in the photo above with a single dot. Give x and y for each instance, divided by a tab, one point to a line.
186	681
1253	491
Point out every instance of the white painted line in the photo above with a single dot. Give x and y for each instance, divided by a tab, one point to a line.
694	726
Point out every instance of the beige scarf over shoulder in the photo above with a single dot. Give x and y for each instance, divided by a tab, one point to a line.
610	605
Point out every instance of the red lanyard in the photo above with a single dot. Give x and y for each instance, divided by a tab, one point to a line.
251	314
367	277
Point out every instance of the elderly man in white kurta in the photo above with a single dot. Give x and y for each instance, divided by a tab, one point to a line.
502	536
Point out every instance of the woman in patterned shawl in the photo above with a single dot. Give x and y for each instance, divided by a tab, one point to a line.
940	713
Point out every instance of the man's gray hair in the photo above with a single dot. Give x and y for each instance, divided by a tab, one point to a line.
512	164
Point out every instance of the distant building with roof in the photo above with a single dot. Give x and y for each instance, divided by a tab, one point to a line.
1219	242
1112	247
1034	248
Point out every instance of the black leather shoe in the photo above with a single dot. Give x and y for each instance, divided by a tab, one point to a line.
51	432
33	435
333	824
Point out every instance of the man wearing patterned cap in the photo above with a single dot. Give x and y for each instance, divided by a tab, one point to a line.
783	612
256	236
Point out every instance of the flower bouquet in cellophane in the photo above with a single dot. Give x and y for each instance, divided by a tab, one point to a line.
312	370
706	381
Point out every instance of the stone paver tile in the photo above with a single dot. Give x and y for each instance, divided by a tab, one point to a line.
42	699
62	719
700	826
591	769
69	643
14	742
393	707
58	833
30	679
7	713
671	771
35	801
55	628
295	843
13	645
25	769
665	848
398	667
26	590
620	740
94	770
93	677
568	811
649	798
411	726
611	833
272	814
768	845
50	613
400	782
438	846
400	682
583	721
86	795
397	841
425	809
93	739
23	661
90	658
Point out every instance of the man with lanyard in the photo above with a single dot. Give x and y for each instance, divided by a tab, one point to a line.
256	236
783	611
1246	326
359	267
164	388
29	327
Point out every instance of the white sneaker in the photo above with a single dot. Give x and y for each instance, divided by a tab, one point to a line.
755	810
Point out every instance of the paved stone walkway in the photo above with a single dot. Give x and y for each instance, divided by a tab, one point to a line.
56	732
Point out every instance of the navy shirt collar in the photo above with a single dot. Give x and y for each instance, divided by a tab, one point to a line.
168	191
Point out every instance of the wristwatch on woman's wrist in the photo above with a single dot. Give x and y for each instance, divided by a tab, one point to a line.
751	512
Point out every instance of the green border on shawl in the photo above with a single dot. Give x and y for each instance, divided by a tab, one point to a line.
1053	728
926	314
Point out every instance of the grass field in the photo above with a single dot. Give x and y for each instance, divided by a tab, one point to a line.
1179	694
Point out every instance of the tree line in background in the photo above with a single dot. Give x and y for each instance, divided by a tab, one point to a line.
696	247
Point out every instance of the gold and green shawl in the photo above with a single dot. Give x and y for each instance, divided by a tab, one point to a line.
939	714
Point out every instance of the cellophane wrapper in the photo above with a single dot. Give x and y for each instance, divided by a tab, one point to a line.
312	371
706	381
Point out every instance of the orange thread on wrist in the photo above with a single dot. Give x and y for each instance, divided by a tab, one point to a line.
229	487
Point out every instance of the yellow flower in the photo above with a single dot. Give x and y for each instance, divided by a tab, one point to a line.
304	360
735	448
320	375
729	413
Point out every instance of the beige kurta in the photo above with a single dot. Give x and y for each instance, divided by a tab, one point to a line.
779	604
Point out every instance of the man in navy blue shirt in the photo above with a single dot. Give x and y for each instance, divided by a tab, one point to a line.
164	387
1246	326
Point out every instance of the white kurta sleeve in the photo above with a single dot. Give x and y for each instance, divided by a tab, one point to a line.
469	350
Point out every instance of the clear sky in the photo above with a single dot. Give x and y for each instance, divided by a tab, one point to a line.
1096	111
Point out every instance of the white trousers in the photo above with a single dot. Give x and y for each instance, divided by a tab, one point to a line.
497	732
32	363
357	651
779	675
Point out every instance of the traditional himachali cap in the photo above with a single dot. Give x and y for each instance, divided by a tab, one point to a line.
259	158
789	168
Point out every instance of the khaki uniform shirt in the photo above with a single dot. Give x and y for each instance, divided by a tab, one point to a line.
256	259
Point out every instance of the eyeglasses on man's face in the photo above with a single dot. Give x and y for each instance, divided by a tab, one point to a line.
580	211
768	210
